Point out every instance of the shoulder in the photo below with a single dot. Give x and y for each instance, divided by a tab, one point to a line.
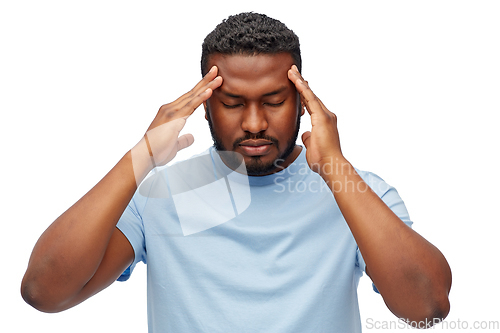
387	193
376	183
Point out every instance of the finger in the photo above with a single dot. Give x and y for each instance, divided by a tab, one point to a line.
199	87
212	74
184	141
311	102
195	102
325	109
212	85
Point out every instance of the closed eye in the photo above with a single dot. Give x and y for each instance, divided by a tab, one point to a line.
275	104
231	106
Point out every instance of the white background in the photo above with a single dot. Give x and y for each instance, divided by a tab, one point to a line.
415	86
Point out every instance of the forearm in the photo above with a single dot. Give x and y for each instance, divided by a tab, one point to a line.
411	274
69	252
82	252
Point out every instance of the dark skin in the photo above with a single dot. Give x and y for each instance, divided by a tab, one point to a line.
82	251
255	112
256	97
411	274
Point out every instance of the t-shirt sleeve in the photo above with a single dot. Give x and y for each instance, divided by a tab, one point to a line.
131	225
391	198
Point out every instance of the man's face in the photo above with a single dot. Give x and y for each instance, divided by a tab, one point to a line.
256	111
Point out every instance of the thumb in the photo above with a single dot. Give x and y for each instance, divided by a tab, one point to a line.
184	141
178	124
305	138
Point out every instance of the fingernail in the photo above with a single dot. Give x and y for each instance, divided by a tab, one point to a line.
212	69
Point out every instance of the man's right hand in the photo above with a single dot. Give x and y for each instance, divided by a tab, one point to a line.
82	251
163	133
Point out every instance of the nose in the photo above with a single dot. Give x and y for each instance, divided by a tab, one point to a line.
254	119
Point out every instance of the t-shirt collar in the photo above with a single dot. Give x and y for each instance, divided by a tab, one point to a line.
294	168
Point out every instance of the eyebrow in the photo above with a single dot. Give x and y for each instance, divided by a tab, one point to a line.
274	92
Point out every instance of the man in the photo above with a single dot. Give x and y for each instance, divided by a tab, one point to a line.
279	250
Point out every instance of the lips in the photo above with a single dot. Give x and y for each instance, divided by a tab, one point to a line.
255	143
256	147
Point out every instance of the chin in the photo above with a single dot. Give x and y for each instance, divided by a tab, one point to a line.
256	167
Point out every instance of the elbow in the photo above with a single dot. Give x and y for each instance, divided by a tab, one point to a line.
441	308
435	306
37	297
442	312
426	306
436	311
439	304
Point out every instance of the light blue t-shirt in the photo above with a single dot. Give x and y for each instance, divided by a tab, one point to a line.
230	253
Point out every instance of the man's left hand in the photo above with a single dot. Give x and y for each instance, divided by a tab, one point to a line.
322	142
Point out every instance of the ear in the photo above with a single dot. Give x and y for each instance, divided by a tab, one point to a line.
206	109
302	106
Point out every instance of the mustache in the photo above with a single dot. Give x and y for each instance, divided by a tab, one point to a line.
250	136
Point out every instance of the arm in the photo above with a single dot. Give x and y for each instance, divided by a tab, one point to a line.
410	273
82	251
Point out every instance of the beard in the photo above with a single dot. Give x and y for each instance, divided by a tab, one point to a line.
255	167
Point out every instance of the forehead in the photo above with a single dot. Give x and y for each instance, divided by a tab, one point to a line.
253	74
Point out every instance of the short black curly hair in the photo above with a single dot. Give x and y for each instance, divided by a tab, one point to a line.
250	33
